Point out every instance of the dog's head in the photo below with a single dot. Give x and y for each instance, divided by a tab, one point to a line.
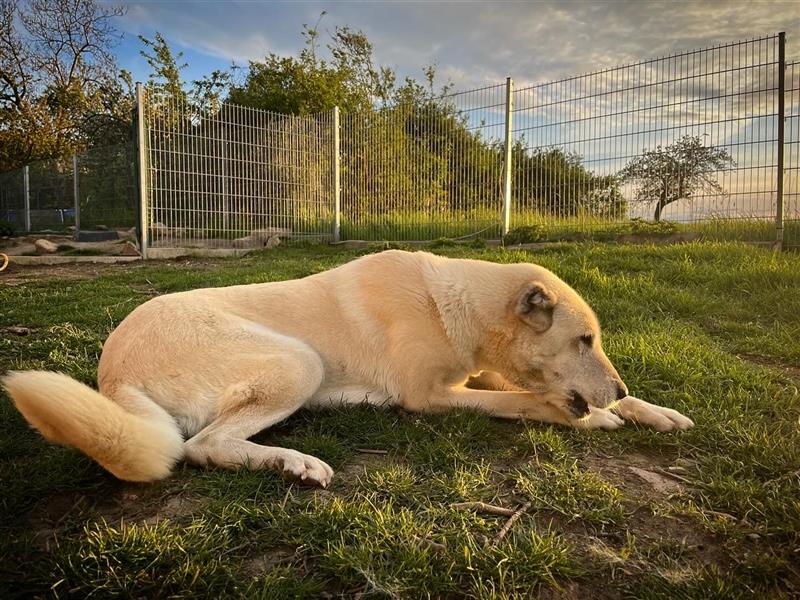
555	347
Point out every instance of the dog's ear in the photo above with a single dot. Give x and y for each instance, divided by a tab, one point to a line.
535	305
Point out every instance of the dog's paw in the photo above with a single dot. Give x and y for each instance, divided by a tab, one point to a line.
306	469
659	418
599	418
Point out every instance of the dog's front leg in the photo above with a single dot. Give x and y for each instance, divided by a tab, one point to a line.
546	408
657	417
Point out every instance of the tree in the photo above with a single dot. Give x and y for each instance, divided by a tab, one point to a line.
59	86
676	172
309	83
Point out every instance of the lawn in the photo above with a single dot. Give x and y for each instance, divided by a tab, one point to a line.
710	329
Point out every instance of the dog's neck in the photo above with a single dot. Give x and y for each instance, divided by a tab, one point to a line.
460	296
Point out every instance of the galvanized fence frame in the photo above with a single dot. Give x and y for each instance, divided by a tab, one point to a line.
791	159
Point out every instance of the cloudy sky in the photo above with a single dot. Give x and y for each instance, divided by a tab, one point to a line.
471	42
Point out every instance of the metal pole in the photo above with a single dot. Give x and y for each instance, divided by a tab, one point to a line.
141	165
76	194
26	187
781	118
508	166
223	167
337	217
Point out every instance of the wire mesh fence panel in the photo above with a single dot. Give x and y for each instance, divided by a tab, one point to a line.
52	200
106	187
791	185
689	139
424	168
236	176
12	198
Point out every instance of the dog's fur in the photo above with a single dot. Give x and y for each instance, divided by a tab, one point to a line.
216	366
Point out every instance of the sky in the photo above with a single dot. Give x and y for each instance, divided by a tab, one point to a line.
478	43
472	43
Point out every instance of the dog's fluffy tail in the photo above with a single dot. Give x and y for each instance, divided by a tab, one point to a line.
133	447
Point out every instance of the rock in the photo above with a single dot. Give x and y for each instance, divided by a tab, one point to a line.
244	242
264	235
101	228
660	483
128	249
129	234
16	330
263	238
45	247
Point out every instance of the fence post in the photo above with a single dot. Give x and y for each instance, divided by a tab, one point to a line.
781	118
26	193
508	166
76	194
141	168
337	217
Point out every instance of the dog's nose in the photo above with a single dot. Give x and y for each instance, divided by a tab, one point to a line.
622	391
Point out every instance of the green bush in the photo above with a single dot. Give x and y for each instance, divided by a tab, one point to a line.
525	234
6	229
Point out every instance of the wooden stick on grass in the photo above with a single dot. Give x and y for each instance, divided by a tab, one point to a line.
510	523
490	509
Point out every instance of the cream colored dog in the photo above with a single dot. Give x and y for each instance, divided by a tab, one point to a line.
193	375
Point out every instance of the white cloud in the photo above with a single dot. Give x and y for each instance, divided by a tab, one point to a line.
474	43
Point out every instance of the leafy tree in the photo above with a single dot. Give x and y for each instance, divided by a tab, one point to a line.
59	87
311	84
165	84
676	172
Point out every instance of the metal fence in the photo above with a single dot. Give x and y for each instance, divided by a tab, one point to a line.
42	196
431	167
706	141
234	176
692	140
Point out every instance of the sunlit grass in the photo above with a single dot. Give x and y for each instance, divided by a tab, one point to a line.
711	329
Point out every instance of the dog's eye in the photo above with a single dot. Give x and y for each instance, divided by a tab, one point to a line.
587	339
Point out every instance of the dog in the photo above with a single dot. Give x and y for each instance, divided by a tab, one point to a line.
193	375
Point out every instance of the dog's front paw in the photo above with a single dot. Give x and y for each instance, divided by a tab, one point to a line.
659	418
598	418
306	469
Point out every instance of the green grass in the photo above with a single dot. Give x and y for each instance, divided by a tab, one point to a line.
530	226
711	329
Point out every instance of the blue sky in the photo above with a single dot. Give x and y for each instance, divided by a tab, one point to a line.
471	42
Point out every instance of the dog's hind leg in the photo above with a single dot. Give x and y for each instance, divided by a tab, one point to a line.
270	388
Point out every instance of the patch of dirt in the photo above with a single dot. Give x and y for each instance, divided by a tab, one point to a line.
649	481
115	504
148	504
257	566
21	274
16	274
50	515
791	371
648	477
